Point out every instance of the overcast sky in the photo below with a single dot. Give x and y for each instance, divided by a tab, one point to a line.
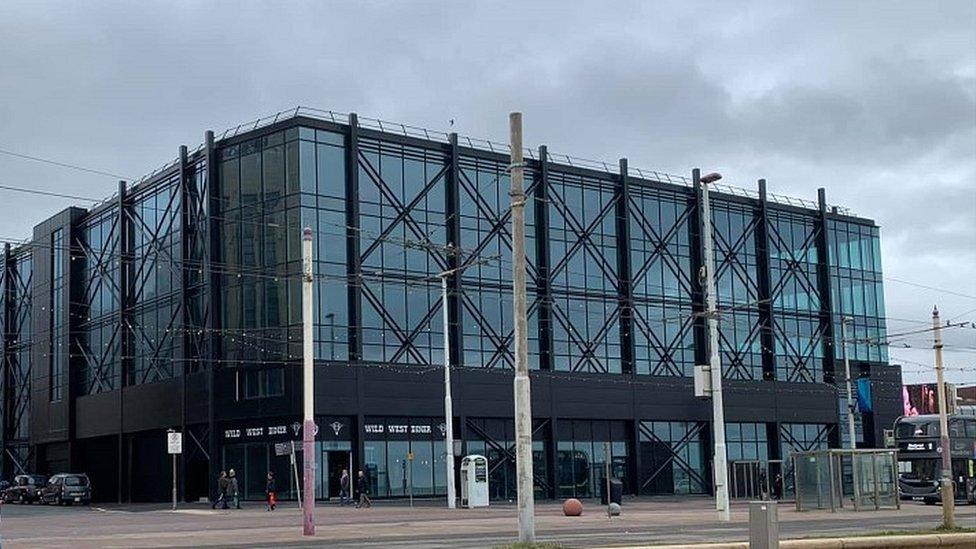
876	101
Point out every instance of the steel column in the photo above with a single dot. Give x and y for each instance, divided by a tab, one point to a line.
185	255
452	211
766	337
126	242
697	287
6	408
552	457
544	311
353	266
823	286
625	295
213	284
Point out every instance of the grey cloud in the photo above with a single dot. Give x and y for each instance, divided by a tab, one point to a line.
876	101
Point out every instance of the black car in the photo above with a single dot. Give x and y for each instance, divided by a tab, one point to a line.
67	488
25	489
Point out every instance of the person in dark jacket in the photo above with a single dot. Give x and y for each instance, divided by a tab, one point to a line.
362	486
344	485
271	489
223	485
234	489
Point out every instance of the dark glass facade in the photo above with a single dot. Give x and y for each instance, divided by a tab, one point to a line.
181	308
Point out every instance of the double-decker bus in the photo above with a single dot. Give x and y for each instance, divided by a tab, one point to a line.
920	457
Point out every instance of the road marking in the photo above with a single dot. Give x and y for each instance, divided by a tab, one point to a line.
200	512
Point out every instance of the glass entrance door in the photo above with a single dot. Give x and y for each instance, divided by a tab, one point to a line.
334	456
336	461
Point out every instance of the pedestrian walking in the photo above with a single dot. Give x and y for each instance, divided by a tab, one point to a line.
362	486
344	485
223	484
271	490
235	492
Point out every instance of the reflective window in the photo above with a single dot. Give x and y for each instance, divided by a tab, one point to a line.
857	290
59	329
260	252
18	355
157	328
264	383
495	439
794	270
98	243
801	437
583	274
660	257
737	285
746	442
582	457
486	298
403	249
673	457
405	456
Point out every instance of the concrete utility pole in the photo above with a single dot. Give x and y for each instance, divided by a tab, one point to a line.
308	429
847	368
714	361
448	404
523	394
948	498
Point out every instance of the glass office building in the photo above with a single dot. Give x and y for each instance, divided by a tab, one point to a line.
176	304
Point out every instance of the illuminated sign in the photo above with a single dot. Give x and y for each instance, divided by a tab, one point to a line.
918	446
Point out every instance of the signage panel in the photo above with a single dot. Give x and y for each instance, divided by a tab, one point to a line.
174	443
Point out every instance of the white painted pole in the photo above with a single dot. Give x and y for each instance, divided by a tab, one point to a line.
174	482
847	368
523	395
448	405
715	365
606	474
308	429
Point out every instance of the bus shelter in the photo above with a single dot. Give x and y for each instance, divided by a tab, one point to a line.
863	479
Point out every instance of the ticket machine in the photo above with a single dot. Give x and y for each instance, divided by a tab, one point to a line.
474	481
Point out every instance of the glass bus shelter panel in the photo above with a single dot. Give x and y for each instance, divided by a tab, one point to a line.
863	479
877	481
814	481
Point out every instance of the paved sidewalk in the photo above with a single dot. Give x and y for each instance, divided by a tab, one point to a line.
644	521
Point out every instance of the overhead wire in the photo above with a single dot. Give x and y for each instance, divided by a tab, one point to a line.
499	173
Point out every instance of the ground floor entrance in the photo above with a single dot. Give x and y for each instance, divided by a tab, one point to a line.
406	457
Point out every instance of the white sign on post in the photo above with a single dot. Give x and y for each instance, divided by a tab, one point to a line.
174	442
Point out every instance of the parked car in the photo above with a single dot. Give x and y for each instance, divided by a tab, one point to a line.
25	489
67	488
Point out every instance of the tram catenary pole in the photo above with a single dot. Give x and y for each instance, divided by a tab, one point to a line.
308	379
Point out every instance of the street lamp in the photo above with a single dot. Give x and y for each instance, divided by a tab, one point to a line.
448	404
714	360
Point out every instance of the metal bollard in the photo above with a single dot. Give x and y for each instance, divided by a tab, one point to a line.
763	525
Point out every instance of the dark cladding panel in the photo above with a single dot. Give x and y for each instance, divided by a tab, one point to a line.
52	303
152	405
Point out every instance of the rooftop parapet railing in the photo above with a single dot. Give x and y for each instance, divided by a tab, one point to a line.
495	147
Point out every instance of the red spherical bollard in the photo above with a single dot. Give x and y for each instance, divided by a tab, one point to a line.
572	507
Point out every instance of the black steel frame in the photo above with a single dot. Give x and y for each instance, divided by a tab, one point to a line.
197	324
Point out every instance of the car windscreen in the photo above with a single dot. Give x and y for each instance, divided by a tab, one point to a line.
76	481
37	480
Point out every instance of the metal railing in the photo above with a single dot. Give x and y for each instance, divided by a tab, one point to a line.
495	147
